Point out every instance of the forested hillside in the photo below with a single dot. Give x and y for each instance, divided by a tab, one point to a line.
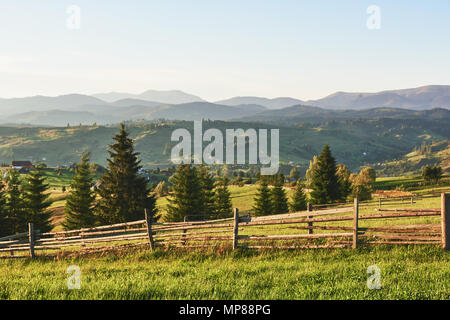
354	142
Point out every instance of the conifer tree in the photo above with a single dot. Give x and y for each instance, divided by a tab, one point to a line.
80	203
36	200
124	193
325	185
186	198
278	196
15	203
208	194
263	203
224	207
298	201
6	223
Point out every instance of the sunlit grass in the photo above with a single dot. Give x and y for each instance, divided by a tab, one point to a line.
406	273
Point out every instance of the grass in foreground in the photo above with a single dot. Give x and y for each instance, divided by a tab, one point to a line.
415	272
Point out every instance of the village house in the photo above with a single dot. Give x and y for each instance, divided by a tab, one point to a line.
22	166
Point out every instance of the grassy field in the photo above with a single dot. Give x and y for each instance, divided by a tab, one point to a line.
241	197
406	273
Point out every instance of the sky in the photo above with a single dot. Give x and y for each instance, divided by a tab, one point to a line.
219	49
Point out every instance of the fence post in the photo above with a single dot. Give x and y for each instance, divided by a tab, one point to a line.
83	244
31	239
310	224
379	202
148	222
412	201
12	250
355	222
236	228
445	216
184	232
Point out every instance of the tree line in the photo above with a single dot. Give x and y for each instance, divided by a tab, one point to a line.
196	194
24	201
326	181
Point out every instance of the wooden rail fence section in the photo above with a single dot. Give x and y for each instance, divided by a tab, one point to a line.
335	227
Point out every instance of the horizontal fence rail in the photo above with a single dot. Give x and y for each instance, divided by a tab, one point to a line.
327	226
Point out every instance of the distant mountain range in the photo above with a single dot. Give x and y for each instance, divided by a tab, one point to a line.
277	103
298	114
106	114
165	97
42	103
421	98
176	105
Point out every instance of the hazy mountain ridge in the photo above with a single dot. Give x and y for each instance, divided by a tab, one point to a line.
144	106
43	103
106	114
426	97
163	97
298	114
276	103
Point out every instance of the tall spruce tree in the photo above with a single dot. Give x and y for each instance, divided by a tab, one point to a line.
15	203
124	193
325	185
186	198
263	203
278	196
80	203
208	194
36	200
298	200
224	207
6	223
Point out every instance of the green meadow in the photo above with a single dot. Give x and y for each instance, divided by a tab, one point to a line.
406	272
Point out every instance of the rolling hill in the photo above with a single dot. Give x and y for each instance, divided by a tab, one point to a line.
298	114
435	153
124	110
353	142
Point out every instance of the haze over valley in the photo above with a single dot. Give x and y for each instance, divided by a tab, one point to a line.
113	107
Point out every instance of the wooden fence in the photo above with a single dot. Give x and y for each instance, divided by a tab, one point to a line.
337	227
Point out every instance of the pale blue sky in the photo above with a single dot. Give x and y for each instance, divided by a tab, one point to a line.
217	49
